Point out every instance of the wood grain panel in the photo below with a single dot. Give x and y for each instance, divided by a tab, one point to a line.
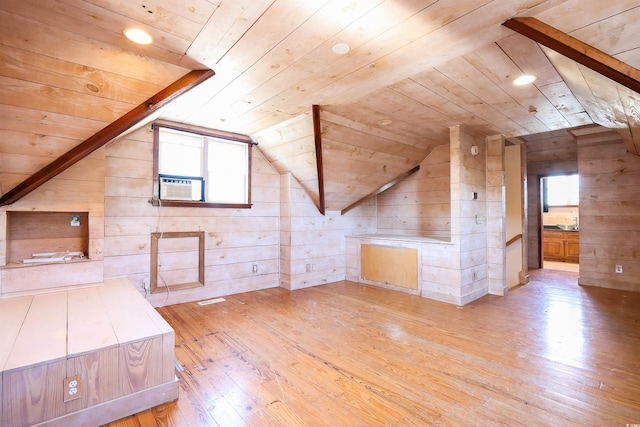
140	365
390	265
33	395
99	373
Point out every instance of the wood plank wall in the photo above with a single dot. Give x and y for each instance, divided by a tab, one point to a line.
548	154
609	212
235	239
496	215
309	238
457	273
468	216
421	204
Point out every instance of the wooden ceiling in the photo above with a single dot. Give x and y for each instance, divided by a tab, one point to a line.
66	71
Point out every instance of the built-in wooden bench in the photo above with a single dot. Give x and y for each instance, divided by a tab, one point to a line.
107	338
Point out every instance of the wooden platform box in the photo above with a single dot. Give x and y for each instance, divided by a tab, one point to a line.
83	357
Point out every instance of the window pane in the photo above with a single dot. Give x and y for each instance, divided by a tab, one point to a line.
180	153
563	190
227	166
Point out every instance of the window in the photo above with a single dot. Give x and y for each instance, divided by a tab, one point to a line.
562	190
195	168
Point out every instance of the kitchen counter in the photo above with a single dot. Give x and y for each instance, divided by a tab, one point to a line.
556	228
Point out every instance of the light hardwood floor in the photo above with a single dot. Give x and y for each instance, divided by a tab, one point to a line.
344	354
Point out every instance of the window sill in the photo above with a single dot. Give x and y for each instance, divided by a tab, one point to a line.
195	204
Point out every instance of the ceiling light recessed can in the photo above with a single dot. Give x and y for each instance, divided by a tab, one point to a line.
341	48
385	122
137	35
524	80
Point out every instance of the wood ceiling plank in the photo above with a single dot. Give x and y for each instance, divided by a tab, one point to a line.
613	34
184	18
26	143
41	123
631	105
298	128
347	151
336	114
631	57
455	32
101	25
462	72
444	86
266	75
370	144
313	79
574	78
48	40
105	135
363	117
529	58
563	98
48	71
572	14
578	51
498	67
223	29
21	93
452	111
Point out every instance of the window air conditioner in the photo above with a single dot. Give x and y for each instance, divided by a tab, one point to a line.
181	188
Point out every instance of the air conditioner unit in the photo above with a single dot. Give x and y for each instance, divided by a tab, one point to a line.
181	188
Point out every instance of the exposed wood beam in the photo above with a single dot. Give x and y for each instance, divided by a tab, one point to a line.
381	189
576	50
317	136
108	133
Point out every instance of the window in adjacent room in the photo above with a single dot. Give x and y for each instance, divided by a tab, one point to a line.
195	168
561	190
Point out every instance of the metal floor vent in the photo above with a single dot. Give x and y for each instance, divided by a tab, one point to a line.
211	301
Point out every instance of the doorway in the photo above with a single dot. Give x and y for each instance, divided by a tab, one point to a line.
560	222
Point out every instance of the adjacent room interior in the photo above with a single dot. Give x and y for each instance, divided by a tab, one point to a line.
281	212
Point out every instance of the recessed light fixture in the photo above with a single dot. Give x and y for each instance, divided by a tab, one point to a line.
385	122
524	80
341	48
137	35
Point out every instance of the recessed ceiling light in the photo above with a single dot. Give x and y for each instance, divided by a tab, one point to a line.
524	80
385	122
341	48
137	35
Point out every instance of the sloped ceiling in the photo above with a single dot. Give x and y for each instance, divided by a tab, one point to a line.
66	71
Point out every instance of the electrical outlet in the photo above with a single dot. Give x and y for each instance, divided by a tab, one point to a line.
255	268
308	268
618	269
75	220
72	388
